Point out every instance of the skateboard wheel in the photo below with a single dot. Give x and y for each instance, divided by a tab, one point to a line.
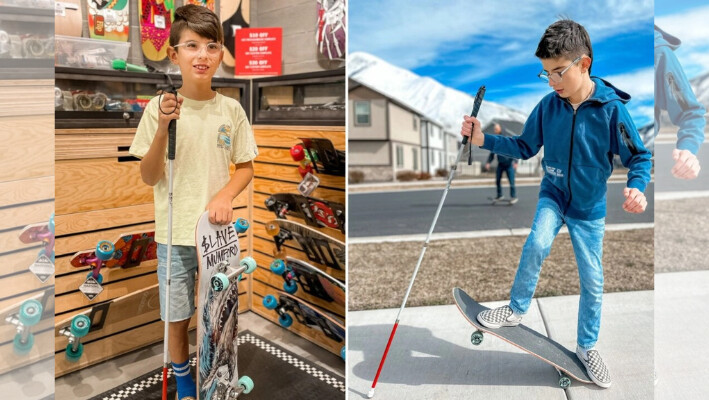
80	326
305	170
249	263
297	152
21	348
30	312
290	287
272	228
219	282
51	224
285	320
476	338
99	279
74	356
343	353
104	250
278	266
564	382
241	225
246	383
270	302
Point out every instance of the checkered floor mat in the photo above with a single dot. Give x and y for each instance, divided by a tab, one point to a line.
276	372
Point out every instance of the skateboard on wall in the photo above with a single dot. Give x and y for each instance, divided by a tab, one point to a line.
129	250
317	246
234	15
316	156
204	3
68	18
299	276
109	19
290	307
316	212
156	17
24	317
43	266
220	269
526	339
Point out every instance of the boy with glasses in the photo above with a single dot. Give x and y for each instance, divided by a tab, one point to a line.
581	126
213	134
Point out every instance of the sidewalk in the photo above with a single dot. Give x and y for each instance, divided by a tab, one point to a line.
432	358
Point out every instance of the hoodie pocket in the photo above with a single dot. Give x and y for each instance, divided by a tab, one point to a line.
588	186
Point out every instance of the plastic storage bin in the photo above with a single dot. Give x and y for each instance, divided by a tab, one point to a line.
88	53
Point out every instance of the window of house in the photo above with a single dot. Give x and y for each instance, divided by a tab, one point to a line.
414	153
363	113
415	124
399	156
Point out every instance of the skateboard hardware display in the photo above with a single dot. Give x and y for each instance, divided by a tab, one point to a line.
316	155
317	246
299	275
43	266
316	212
25	315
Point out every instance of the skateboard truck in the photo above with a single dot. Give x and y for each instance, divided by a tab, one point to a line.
92	286
79	328
222	278
43	266
224	388
29	315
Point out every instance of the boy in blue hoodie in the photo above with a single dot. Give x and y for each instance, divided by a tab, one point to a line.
674	94
581	125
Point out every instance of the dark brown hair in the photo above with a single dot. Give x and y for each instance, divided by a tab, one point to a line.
565	38
198	19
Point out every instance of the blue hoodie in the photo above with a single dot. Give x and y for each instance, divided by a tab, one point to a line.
674	94
579	147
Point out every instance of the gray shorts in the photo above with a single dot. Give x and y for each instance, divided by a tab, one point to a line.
182	284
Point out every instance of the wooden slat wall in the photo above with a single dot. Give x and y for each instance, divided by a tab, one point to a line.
276	172
26	197
100	196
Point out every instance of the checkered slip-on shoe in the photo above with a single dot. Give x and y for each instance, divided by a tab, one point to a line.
595	367
501	316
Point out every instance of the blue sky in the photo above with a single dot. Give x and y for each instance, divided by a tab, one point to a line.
687	20
465	44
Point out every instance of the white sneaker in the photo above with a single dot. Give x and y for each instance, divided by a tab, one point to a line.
595	366
501	316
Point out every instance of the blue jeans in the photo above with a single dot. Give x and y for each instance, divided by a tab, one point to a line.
587	240
509	169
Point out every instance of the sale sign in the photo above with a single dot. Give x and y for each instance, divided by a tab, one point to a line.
258	51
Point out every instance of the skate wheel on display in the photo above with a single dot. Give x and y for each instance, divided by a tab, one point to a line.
343	353
290	287
297	152
104	250
51	223
80	326
270	302
99	279
30	312
246	383
278	266
21	348
476	338
219	282
241	225
74	356
285	320
249	263
272	228
305	170
564	382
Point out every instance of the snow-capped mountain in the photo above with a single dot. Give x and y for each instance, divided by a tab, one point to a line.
700	84
425	95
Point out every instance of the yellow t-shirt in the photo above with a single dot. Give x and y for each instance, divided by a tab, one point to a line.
211	134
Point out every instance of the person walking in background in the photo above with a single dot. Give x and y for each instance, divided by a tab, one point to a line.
507	165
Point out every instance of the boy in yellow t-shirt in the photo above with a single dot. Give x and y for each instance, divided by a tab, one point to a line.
213	133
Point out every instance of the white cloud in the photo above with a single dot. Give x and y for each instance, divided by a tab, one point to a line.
640	84
691	28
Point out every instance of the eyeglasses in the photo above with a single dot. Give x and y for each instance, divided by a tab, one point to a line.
192	47
556	77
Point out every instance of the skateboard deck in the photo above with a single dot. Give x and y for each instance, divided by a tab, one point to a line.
129	250
218	304
234	15
503	201
316	212
68	17
524	338
204	3
307	315
317	246
155	20
300	276
109	19
43	266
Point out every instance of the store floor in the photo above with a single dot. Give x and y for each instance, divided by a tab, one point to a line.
99	378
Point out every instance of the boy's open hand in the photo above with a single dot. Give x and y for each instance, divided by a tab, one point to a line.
220	210
169	101
471	124
686	164
635	201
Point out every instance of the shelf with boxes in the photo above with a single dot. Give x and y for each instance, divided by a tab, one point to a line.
26	40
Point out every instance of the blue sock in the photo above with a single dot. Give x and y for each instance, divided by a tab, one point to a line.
185	383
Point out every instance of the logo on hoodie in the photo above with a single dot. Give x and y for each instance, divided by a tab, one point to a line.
557	172
223	137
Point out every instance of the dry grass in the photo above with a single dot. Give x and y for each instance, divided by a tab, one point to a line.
379	273
681	235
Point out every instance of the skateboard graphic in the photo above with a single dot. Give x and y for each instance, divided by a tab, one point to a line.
109	19
503	201
524	338
43	266
316	155
299	275
218	319
26	315
234	15
317	246
155	20
315	212
68	18
128	251
306	315
204	3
